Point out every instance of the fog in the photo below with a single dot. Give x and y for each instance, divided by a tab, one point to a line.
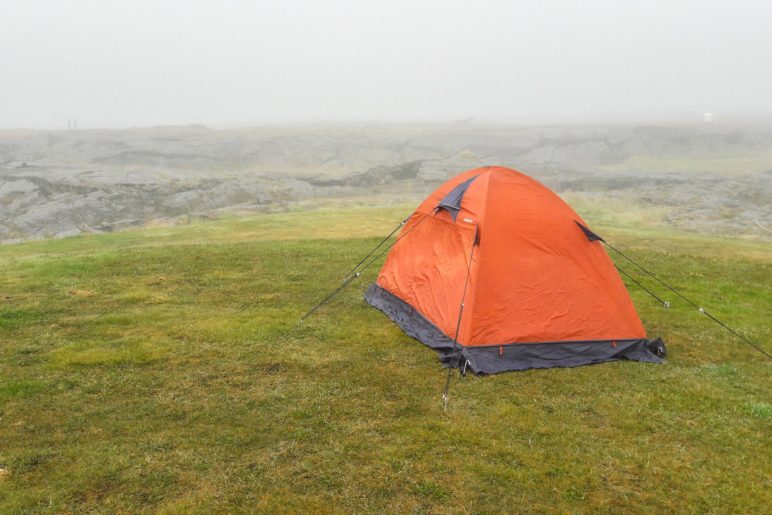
140	63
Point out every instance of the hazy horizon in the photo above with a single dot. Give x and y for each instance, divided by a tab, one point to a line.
237	63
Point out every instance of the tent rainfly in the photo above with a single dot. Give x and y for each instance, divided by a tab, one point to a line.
498	273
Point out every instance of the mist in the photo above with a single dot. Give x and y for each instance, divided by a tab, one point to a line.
121	64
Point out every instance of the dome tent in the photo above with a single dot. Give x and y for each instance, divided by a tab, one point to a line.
498	273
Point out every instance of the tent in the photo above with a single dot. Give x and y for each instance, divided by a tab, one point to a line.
497	273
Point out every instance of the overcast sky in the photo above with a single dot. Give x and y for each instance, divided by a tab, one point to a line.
138	63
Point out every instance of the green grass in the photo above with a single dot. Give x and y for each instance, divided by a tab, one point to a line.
162	370
722	163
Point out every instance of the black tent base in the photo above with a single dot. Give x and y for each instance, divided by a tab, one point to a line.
492	359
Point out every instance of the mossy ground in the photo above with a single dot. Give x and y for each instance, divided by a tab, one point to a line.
162	370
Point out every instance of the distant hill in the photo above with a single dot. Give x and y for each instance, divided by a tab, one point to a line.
715	178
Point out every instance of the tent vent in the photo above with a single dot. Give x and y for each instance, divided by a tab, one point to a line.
590	235
452	201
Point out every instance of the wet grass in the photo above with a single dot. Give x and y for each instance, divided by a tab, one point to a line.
729	164
162	370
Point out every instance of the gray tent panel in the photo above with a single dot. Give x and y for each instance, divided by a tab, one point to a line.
452	201
494	358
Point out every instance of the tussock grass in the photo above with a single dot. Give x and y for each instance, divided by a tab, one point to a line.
163	370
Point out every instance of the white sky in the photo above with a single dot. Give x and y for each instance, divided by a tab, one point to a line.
135	63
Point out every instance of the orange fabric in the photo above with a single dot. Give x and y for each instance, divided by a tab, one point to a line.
534	276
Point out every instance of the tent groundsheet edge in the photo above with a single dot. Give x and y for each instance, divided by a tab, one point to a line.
492	359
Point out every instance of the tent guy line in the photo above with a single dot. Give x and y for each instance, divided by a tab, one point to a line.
354	273
384	240
458	322
690	302
664	303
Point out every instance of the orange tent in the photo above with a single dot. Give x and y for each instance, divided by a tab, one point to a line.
497	273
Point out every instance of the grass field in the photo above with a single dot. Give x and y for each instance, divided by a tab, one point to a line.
162	370
724	163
